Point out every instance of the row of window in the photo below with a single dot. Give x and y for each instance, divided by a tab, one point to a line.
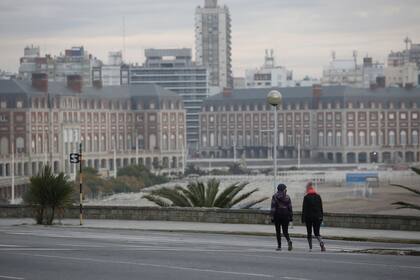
351	116
305	105
329	140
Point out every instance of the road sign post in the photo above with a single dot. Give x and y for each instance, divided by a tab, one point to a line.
77	158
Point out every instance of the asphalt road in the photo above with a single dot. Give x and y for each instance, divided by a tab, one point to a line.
35	252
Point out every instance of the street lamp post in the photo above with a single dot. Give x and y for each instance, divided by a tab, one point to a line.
274	98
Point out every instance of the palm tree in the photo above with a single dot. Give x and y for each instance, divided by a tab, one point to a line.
198	194
36	196
407	205
48	191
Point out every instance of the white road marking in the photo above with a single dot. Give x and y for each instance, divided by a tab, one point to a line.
35	249
4	245
293	278
331	261
173	267
11	277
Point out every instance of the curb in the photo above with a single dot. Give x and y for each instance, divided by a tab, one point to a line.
250	233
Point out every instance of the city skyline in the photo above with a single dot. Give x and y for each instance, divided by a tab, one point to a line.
302	33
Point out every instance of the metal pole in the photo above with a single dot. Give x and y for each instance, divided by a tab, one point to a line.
234	150
137	149
115	162
298	155
275	147
12	170
81	184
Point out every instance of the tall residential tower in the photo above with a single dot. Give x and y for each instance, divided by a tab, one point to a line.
213	43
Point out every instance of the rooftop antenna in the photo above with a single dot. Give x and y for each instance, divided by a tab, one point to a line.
355	58
124	50
407	41
333	55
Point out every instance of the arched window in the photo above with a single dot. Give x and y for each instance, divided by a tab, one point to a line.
391	138
129	142
88	144
403	137
338	138
212	139
320	138
4	146
362	138
373	138
204	140
248	138
329	138
414	137
152	142
95	143
20	145
140	141
103	143
173	142
350	138
121	142
164	142
281	139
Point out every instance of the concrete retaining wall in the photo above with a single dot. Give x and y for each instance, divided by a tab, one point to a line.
207	215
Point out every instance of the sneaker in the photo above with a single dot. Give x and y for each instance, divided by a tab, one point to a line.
278	249
310	250
322	247
290	246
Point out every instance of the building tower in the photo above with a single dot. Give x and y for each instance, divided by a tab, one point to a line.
213	43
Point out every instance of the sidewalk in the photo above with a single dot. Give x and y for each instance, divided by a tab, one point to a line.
245	229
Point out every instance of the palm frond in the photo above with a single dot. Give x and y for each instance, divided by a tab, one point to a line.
416	169
211	192
241	197
252	203
406	205
225	197
157	200
190	193
176	197
407	188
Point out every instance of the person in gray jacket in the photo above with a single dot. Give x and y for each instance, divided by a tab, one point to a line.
282	215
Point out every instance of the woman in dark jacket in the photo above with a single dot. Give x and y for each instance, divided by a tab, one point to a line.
312	215
282	214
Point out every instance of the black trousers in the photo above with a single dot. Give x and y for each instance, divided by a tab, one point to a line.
281	226
314	224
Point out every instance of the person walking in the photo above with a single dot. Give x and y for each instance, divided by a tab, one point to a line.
312	215
281	214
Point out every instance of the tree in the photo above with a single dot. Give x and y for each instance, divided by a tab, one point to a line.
193	169
48	192
407	205
198	194
237	169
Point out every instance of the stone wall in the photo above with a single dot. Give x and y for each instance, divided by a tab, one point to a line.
207	215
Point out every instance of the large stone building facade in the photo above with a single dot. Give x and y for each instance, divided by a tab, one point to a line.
334	124
43	122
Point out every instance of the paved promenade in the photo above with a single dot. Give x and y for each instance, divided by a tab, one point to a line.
244	229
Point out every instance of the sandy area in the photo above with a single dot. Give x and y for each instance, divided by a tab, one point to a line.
337	196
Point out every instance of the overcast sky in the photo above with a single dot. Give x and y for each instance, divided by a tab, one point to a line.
302	32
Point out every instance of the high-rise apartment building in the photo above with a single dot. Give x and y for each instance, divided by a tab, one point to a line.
213	43
173	69
74	61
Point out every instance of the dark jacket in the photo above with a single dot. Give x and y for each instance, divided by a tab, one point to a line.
281	207
312	207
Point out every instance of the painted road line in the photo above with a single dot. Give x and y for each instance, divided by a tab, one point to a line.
35	249
331	261
171	267
11	277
